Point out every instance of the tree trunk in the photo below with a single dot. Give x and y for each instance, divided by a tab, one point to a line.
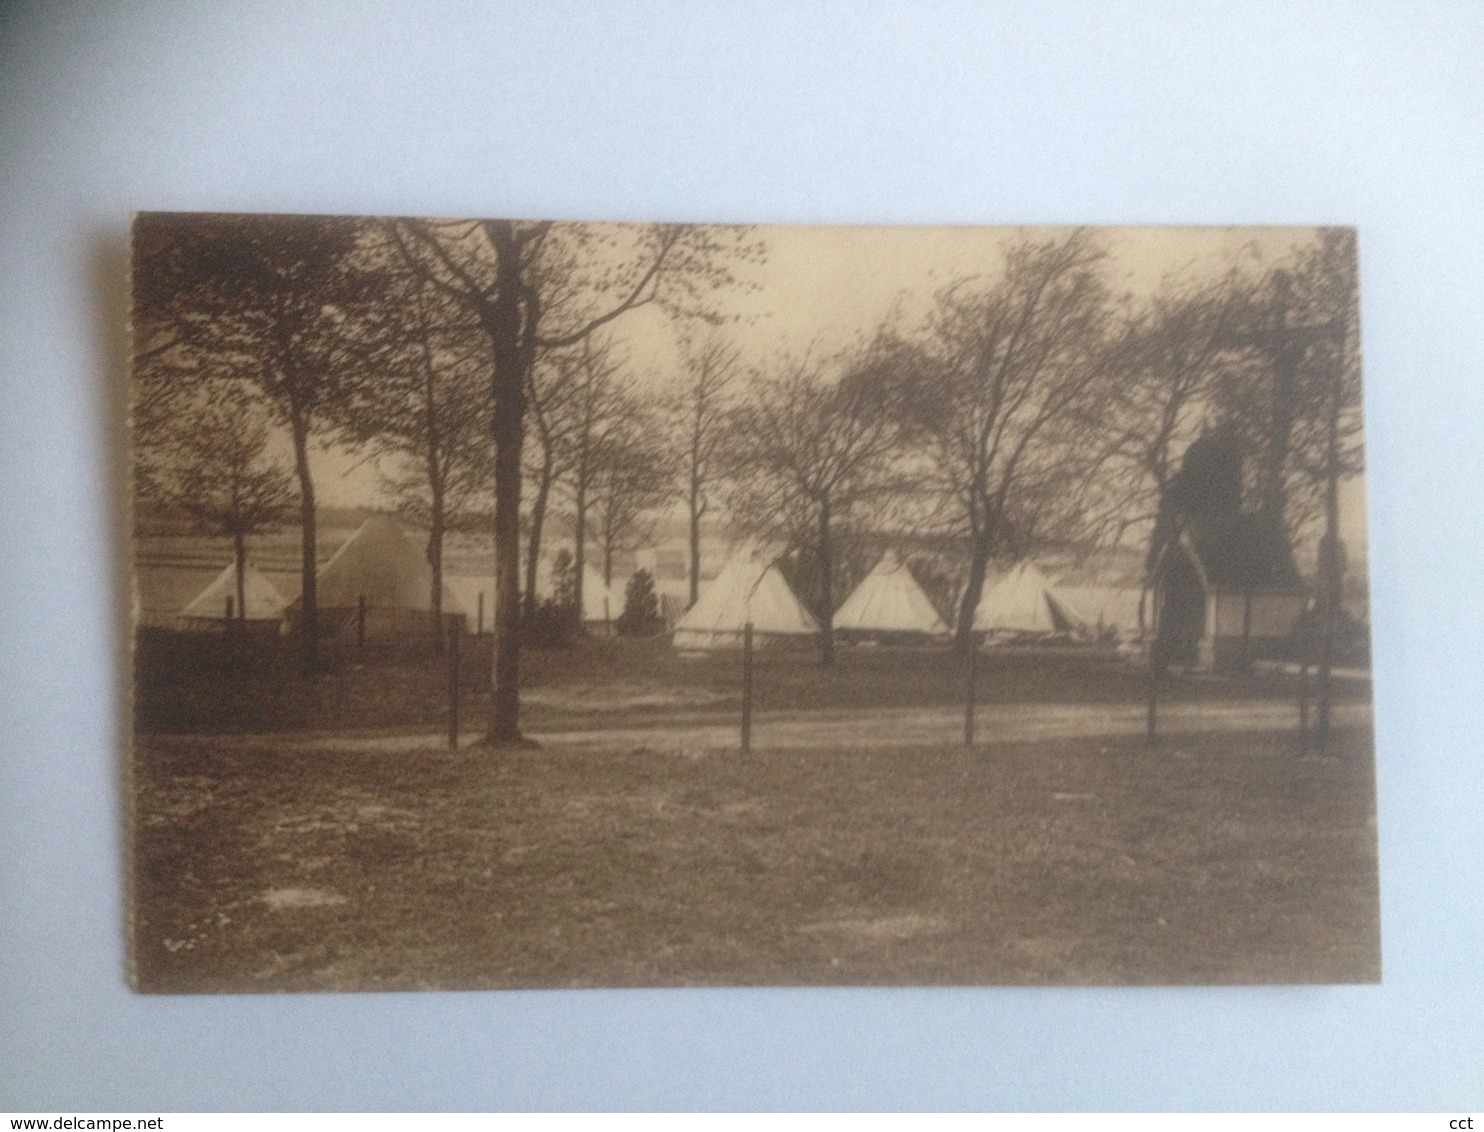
607	555
538	522
579	542
239	556
1329	565
608	539
695	541
435	566
963	637
437	468
826	589
503	319
308	542
504	726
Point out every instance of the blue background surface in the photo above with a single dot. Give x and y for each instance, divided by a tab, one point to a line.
891	112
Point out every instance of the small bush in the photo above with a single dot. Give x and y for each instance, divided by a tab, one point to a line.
641	607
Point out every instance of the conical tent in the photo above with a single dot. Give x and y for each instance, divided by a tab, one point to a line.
261	599
889	600
746	590
381	564
1025	601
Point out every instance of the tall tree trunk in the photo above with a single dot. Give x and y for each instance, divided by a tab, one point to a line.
826	589
503	324
579	542
435	568
308	541
608	548
437	467
504	726
695	539
239	556
963	636
608	613
1329	566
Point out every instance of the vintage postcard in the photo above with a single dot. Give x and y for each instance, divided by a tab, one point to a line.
554	604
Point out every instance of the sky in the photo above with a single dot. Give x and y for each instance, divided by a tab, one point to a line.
820	288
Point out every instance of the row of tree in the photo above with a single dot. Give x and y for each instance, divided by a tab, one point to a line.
432	340
1037	409
1030	407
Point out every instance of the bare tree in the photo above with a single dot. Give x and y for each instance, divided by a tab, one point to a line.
633	478
1328	440
614	468
269	301
1264	402
1009	414
424	410
699	414
808	445
553	400
219	472
165	382
1168	360
537	286
1298	371
599	405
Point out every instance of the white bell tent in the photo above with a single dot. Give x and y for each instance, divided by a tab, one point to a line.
747	590
1025	602
889	600
262	604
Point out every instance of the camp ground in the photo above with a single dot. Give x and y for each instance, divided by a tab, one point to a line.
1024	604
889	604
749	591
785	621
380	580
260	606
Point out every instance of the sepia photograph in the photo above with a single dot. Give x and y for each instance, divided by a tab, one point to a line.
546	604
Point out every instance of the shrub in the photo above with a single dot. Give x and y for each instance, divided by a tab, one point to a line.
641	607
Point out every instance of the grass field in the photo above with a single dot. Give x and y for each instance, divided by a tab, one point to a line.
190	683
1211	859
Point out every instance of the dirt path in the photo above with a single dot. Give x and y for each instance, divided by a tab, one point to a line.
880	727
897	727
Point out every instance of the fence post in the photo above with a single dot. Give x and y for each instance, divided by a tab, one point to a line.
453	685
747	687
361	622
479	623
971	682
